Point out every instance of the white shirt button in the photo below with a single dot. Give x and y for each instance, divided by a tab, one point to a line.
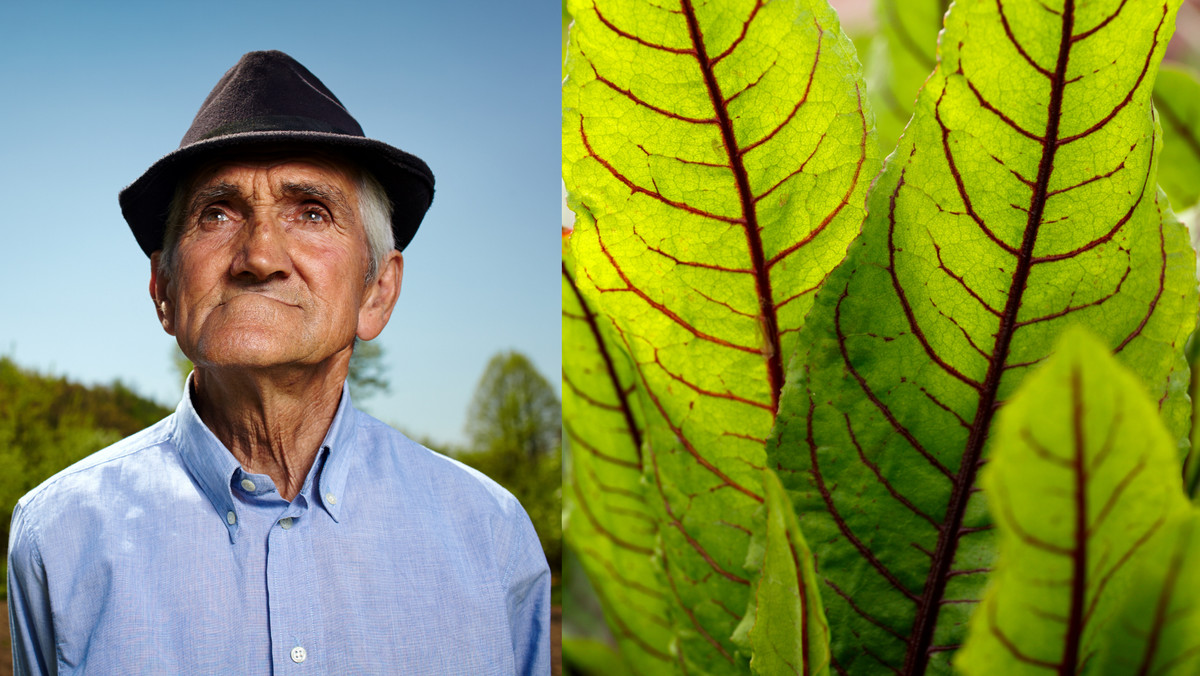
329	497
248	485
230	517
298	654
285	523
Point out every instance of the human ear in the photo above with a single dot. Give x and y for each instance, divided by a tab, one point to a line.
164	304
379	298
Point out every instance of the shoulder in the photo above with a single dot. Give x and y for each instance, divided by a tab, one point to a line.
436	474
88	483
457	506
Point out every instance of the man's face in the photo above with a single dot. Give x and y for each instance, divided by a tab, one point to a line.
270	266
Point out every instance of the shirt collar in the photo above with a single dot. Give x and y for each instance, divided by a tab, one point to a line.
213	466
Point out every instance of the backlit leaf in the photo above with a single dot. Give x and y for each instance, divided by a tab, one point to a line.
1021	199
1177	98
1083	479
901	57
609	524
785	629
716	157
1158	630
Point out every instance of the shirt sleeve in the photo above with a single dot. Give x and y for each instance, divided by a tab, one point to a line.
28	602
528	597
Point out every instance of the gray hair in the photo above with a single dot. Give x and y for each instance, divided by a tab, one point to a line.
375	213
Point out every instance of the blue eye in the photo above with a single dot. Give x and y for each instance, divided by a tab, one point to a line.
314	214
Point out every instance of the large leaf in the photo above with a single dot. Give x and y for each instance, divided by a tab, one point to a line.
1177	98
901	57
609	524
1021	199
1082	479
785	628
716	157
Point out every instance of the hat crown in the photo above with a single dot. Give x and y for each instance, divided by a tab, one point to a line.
267	101
269	91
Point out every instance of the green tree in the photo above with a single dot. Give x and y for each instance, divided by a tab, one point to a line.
368	375
514	409
515	436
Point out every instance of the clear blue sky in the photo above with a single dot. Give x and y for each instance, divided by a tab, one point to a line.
93	93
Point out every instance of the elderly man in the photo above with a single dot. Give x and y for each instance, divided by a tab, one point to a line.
267	526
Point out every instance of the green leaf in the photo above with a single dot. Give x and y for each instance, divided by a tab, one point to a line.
566	25
1177	98
900	59
785	628
1082	479
585	657
716	157
1020	200
609	524
1158	630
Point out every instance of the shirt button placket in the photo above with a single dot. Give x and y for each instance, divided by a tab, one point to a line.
295	615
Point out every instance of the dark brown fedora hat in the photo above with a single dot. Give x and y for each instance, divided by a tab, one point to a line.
266	100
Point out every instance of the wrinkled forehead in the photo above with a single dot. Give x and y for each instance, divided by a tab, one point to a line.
280	165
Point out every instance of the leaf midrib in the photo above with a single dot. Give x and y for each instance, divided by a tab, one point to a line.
1076	617
917	657
749	221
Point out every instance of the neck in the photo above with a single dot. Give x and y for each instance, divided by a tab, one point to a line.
272	420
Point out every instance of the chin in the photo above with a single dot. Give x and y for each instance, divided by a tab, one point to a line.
248	349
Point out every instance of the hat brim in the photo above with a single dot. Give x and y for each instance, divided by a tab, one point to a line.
407	180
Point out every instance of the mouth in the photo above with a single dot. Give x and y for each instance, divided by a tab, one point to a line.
264	295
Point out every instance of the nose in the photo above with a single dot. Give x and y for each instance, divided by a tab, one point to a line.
263	254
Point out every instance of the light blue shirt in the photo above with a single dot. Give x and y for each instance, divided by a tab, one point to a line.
161	555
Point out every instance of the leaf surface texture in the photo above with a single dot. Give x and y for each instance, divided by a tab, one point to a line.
609	524
1158	629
